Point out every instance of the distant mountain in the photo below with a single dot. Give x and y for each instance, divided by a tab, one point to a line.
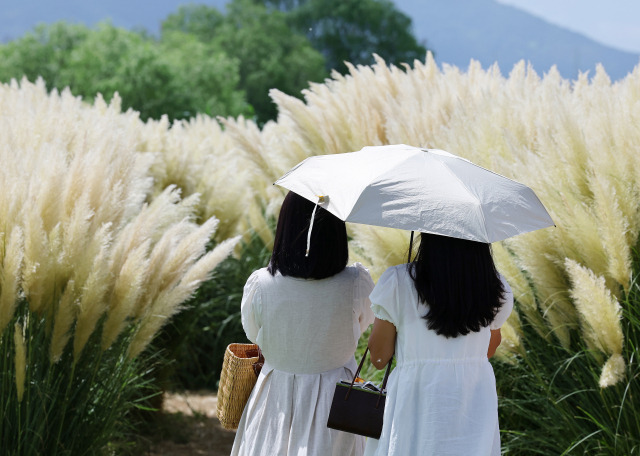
20	16
457	31
487	31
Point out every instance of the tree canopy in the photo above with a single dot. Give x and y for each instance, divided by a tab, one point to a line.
213	62
269	52
178	76
353	30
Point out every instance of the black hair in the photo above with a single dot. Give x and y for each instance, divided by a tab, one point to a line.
459	282
329	251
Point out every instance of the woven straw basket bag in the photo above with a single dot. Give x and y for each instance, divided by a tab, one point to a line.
236	382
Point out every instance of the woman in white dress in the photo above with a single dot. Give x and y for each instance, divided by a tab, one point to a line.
306	313
441	316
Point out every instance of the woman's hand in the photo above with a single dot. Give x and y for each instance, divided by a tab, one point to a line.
382	343
496	338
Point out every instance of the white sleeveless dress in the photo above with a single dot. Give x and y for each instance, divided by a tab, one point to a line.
441	396
308	332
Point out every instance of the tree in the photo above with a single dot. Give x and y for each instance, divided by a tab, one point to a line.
44	52
269	53
353	30
180	76
198	20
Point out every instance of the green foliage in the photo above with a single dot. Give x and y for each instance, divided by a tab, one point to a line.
207	79
68	408
214	63
352	30
179	76
269	53
199	20
45	52
551	402
197	338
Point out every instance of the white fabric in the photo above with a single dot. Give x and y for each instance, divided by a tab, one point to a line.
308	331
441	396
426	190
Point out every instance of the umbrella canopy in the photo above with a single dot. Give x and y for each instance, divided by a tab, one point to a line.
426	190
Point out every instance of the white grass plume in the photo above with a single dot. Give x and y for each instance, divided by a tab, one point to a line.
63	321
600	314
168	301
10	276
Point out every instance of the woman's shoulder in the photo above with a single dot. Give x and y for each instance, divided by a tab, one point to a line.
259	275
356	269
397	273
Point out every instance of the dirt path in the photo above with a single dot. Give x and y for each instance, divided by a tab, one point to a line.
190	427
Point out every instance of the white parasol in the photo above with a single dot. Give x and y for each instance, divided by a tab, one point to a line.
426	190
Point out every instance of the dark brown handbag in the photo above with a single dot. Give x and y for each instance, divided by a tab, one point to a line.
359	408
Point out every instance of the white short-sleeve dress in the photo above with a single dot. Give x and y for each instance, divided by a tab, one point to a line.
441	396
308	331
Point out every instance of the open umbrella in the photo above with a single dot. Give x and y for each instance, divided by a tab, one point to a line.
426	190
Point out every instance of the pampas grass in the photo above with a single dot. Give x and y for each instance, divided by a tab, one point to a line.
124	216
546	132
576	143
10	275
600	314
92	266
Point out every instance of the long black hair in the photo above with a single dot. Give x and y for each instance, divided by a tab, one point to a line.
459	281
329	251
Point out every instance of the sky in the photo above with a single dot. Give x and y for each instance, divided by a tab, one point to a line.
615	23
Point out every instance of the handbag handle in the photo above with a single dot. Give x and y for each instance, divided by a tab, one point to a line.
384	381
257	366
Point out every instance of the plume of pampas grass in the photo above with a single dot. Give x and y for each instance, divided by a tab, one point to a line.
511	339
125	292
168	301
38	281
92	303
600	314
522	292
599	311
63	321
378	248
197	156
613	371
10	275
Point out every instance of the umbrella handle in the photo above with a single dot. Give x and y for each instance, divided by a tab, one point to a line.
321	200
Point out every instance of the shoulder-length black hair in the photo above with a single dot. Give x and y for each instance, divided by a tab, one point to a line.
329	251
459	282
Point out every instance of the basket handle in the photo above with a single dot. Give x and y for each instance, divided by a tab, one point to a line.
257	365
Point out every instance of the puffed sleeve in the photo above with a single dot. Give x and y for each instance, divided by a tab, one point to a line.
506	308
250	307
361	303
384	297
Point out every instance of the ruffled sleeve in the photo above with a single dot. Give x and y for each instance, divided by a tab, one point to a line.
384	297
251	306
506	308
361	303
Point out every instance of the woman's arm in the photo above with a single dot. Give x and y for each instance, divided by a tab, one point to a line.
496	338
382	343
